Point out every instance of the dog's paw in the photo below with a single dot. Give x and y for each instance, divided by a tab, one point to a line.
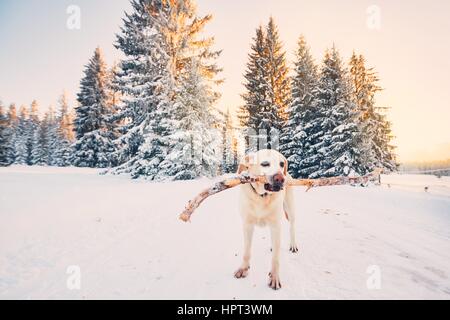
274	281
241	273
293	248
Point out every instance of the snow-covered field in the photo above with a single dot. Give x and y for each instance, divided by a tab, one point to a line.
126	239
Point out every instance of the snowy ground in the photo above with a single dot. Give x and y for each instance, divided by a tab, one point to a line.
126	238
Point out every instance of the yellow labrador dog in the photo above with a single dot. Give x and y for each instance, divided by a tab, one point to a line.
264	205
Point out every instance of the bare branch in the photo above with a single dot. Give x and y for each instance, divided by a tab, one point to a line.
233	181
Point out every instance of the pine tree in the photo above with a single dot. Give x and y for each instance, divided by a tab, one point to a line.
193	142
375	130
62	135
12	124
256	85
279	91
4	138
21	138
334	149
343	155
229	146
295	139
168	47
50	131
267	85
115	96
40	152
94	124
317	128
114	100
382	144
138	75
33	146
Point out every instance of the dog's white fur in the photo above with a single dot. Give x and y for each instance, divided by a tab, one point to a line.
259	207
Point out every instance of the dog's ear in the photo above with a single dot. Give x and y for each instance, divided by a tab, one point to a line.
245	163
285	168
241	168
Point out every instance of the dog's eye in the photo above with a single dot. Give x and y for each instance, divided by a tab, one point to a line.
265	164
282	164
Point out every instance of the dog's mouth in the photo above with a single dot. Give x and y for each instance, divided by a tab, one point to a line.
273	188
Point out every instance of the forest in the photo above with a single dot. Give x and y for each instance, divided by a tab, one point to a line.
154	114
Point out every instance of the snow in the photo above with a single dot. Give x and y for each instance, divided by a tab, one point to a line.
128	242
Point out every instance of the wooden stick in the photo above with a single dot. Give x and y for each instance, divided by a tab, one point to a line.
335	181
220	186
244	178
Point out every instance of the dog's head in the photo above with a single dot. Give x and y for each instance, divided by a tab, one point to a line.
269	163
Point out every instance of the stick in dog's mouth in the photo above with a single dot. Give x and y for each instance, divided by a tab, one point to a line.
231	182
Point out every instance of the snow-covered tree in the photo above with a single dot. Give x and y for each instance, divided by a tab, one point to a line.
375	128
296	136
12	124
61	135
49	137
114	100
4	138
343	155
94	124
40	152
21	138
267	86
193	143
115	95
255	96
279	81
33	146
334	149
229	145
138	74
382	145
162	45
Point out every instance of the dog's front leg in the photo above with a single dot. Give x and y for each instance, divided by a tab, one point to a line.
248	236
274	275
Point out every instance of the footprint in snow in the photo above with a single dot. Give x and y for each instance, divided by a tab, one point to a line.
405	255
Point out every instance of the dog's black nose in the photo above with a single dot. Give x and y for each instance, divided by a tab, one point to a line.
278	179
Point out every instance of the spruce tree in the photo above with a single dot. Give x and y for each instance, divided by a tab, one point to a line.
256	84
193	142
21	138
333	145
343	155
138	75
40	153
382	146
62	135
51	136
296	135
94	124
12	124
375	129
279	92
229	145
4	138
161	42
33	146
267	95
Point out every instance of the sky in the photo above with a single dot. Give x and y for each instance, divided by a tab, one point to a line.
407	42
